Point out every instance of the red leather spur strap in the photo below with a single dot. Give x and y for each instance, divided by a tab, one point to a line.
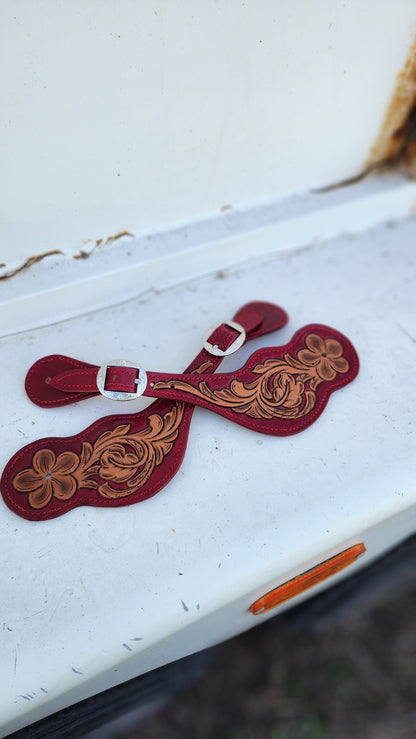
119	459
58	380
279	391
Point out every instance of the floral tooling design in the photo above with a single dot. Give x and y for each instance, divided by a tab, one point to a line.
325	355
116	464
285	388
120	461
50	476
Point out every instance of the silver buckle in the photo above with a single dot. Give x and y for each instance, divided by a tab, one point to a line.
238	341
141	381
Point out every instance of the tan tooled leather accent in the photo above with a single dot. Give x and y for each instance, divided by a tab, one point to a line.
117	457
279	391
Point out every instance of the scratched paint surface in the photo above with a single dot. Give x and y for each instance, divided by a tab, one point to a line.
97	596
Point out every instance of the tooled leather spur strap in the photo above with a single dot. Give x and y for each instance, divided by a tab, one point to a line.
58	380
119	459
279	391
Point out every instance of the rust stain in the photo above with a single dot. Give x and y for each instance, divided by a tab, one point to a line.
82	254
396	141
110	239
395	146
85	254
28	263
118	236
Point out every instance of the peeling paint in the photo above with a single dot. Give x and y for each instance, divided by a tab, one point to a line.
29	262
118	236
396	142
54	252
395	146
109	240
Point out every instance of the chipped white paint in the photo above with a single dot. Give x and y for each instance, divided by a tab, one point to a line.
262	508
151	264
245	512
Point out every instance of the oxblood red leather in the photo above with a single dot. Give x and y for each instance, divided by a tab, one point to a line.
57	380
122	459
119	459
279	391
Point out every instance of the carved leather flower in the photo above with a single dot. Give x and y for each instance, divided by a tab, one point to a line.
118	465
287	390
325	355
50	476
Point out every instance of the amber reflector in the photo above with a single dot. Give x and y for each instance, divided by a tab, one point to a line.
306	580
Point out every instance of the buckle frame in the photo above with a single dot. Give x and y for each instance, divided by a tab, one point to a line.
141	381
238	341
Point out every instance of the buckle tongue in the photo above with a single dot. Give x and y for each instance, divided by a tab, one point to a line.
238	341
140	382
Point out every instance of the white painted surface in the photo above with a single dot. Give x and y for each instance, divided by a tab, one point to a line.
139	116
98	596
139	267
143	117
